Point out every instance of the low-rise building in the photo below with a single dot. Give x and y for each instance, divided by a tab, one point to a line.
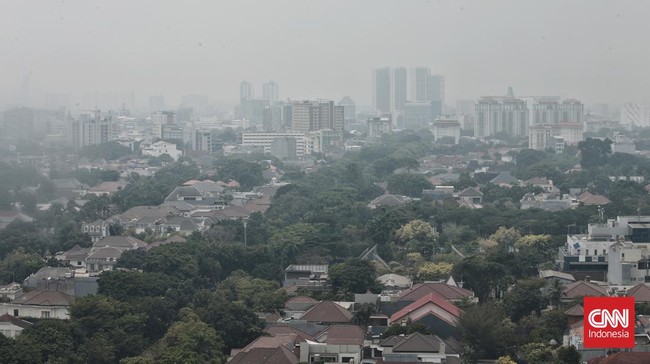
160	148
11	326
39	304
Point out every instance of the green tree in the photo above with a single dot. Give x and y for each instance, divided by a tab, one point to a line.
354	276
485	331
525	298
594	152
18	265
408	184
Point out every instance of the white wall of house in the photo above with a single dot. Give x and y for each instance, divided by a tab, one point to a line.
338	353
35	311
10	330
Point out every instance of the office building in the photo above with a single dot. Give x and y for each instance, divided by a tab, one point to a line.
303	144
381	90
287	121
378	126
90	129
271	92
312	115
272	120
204	141
160	119
284	148
399	85
446	130
427	87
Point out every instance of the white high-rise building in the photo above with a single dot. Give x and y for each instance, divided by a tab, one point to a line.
312	115
159	119
635	115
90	129
552	119
501	115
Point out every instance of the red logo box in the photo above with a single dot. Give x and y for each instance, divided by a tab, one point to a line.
609	322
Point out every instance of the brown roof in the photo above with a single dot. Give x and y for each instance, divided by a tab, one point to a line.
342	335
44	298
416	342
433	299
279	355
576	310
279	329
327	311
302	299
622	358
15	321
441	289
640	292
581	289
591	199
273	341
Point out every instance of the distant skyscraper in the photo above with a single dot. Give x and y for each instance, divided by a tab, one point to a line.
427	87
400	82
389	89
159	119
271	92
381	90
245	91
156	103
349	109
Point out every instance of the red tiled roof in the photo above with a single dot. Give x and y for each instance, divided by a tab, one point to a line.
430	298
15	321
342	335
327	311
581	289
44	298
442	289
622	358
576	310
640	292
280	329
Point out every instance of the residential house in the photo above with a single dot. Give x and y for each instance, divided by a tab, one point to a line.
545	201
574	314
581	289
273	349
39	304
441	289
10	291
305	275
182	225
432	311
553	277
70	187
394	281
388	200
11	326
628	263
326	313
300	303
97	230
505	179
105	253
76	283
545	184
75	257
336	344
107	188
9	216
471	195
589	199
640	292
413	348
439	193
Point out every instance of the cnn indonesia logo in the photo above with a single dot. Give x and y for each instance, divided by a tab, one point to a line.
609	322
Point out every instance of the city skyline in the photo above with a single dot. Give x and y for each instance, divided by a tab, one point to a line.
181	51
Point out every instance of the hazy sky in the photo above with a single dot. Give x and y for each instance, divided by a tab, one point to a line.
592	50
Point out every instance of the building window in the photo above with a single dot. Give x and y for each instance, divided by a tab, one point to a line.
587	252
45	314
15	313
92	229
604	252
85	229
